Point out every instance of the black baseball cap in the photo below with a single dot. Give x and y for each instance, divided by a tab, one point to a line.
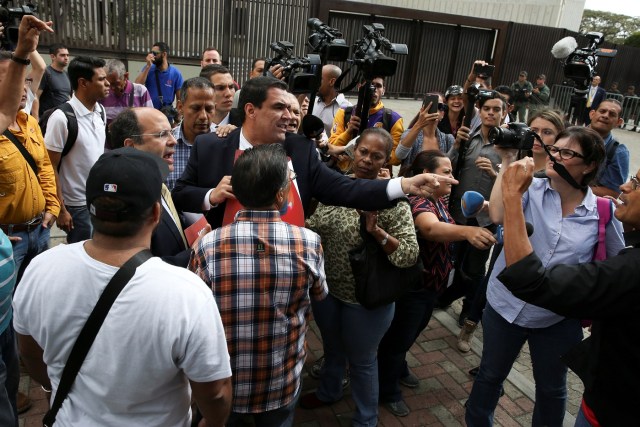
453	90
132	176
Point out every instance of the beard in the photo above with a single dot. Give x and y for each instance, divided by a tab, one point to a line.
158	60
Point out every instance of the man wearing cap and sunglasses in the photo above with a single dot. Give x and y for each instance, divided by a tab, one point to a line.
163	81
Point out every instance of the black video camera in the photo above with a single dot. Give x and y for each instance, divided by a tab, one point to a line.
368	56
580	66
301	74
327	41
10	18
517	135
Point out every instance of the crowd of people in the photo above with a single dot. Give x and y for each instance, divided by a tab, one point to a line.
204	230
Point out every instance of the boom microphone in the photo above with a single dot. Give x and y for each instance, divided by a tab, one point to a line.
564	47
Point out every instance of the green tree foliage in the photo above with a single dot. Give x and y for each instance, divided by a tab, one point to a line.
633	40
616	28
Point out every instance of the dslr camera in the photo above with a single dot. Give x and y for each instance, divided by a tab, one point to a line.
301	73
517	136
10	18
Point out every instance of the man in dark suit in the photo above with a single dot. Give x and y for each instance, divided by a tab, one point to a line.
595	96
148	129
264	104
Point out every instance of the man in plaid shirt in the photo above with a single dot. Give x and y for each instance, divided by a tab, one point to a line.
261	271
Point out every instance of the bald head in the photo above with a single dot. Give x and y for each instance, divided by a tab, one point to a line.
330	74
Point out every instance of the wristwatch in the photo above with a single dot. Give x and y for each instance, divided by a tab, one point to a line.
20	60
385	240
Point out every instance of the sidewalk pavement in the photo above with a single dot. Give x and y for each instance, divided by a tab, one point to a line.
438	401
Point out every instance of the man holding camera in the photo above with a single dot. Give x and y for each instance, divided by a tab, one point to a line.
522	89
163	81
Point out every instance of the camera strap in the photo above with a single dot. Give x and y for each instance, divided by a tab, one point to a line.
160	97
563	172
353	82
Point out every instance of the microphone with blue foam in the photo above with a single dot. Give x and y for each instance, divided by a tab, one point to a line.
471	203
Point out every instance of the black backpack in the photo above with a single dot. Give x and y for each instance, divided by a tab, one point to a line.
72	125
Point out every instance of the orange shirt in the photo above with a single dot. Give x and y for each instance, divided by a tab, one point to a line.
23	194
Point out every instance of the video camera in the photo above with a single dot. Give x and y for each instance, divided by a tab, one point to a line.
580	64
327	41
368	56
517	136
301	74
10	18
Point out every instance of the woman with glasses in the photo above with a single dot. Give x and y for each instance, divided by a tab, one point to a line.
423	134
565	219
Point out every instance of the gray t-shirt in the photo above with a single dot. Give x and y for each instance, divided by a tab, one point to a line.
56	89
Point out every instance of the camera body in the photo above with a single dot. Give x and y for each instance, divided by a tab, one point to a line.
302	74
327	41
517	136
368	56
580	65
10	18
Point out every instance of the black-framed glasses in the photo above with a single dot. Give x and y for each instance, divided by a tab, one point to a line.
441	106
565	153
163	134
155	53
635	182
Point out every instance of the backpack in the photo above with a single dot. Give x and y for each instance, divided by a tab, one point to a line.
72	125
386	118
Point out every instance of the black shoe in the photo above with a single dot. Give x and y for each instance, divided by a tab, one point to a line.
399	408
410	380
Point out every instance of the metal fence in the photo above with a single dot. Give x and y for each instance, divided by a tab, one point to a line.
442	47
631	112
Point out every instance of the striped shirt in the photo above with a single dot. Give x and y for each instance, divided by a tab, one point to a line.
114	104
261	271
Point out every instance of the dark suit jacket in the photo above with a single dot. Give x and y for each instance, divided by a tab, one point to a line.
167	243
212	158
600	96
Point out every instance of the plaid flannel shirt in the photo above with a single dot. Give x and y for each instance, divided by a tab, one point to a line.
262	272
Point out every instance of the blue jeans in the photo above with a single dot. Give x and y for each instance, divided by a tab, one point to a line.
281	417
502	344
33	243
411	316
351	333
82	229
581	420
9	378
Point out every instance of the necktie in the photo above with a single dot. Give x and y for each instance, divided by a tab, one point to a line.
166	195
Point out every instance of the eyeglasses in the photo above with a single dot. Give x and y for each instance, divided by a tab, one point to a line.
220	88
635	182
155	53
441	106
28	81
163	134
565	153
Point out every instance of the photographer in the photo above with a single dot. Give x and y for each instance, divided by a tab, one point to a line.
522	89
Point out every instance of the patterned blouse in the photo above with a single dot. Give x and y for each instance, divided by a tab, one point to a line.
437	257
339	228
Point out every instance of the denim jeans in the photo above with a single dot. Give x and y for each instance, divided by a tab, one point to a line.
502	344
351	333
9	378
281	417
411	316
581	420
82	229
33	243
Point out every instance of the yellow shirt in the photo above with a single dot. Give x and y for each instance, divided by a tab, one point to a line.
23	195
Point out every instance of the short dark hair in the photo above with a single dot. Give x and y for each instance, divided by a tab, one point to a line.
162	46
210	48
592	147
425	160
505	90
255	90
54	48
383	134
615	102
213	69
83	67
255	61
128	226
124	126
494	95
194	83
258	175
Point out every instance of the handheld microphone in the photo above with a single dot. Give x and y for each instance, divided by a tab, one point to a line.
312	126
499	234
471	203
